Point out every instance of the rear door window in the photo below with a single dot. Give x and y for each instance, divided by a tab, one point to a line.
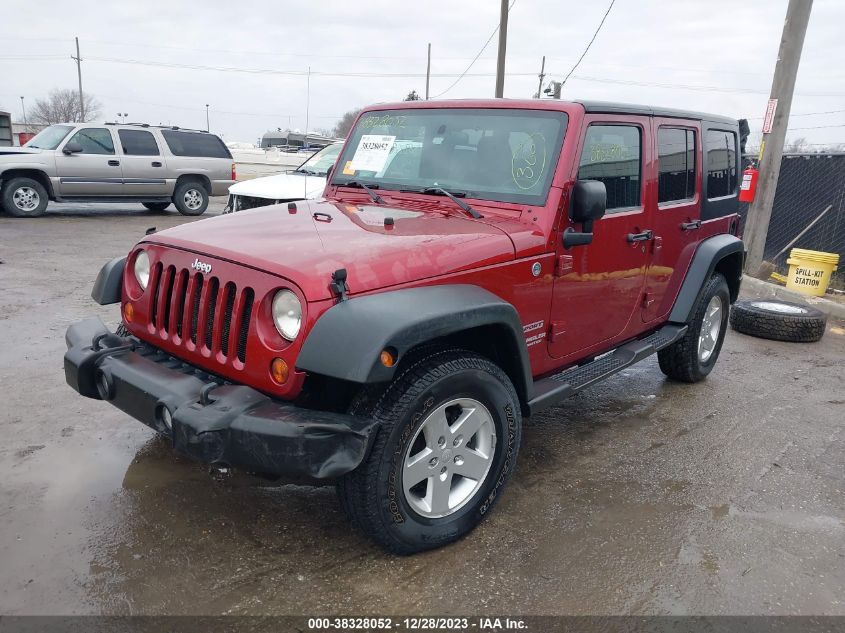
138	143
613	155
721	163
94	140
676	158
195	144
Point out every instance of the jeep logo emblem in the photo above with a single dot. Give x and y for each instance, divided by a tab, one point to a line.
201	266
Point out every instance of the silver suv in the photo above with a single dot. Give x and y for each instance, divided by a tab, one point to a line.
109	162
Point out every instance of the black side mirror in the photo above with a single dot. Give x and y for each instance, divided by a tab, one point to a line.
589	202
329	173
72	148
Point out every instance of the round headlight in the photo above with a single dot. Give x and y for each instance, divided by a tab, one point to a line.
287	314
142	269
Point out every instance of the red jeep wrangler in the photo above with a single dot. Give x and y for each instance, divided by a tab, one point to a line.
471	263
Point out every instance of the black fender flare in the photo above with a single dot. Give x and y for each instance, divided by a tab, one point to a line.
109	281
723	253
347	340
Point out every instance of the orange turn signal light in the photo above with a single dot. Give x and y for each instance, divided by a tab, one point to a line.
279	371
128	312
388	357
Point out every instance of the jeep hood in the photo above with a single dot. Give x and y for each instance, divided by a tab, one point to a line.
289	186
306	244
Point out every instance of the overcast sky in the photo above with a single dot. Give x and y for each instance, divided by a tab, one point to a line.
710	55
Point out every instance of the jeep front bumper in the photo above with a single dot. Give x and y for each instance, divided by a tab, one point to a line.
207	419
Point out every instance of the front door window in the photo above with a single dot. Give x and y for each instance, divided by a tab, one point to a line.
94	140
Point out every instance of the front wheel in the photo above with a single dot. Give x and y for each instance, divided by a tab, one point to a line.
449	433
191	198
24	198
692	358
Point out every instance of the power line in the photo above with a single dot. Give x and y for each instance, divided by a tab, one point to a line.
814	127
696	87
754	118
593	39
466	73
147	45
486	44
266	53
31	57
293	73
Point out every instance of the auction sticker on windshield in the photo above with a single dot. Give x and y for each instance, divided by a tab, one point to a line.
372	152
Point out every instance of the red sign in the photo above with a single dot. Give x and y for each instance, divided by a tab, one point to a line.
770	115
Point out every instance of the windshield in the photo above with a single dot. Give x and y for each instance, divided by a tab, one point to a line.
506	155
319	163
49	138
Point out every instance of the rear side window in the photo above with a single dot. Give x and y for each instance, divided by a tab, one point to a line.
613	155
94	140
195	144
138	143
720	163
676	158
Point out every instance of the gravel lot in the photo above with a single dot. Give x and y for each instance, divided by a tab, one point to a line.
638	496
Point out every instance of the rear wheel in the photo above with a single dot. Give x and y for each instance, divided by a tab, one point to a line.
24	198
449	433
191	198
692	358
156	206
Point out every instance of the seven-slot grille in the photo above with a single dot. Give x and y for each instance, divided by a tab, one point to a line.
211	314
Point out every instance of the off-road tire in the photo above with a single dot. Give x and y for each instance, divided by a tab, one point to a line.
372	495
8	197
794	323
156	206
182	190
681	360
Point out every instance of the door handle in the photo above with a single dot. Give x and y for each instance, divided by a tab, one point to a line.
691	226
155	163
640	237
114	163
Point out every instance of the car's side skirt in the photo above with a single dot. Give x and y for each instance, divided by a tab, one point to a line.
553	389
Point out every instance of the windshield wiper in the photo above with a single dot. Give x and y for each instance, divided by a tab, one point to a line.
440	191
360	185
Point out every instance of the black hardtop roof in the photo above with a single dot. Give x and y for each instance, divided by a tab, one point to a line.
613	107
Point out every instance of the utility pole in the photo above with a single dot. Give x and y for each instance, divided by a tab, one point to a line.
307	103
542	76
78	60
771	149
207	124
503	41
23	111
428	71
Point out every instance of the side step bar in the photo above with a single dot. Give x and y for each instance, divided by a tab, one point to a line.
550	391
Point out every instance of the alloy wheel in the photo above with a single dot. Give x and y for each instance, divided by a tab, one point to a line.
449	458
711	326
26	198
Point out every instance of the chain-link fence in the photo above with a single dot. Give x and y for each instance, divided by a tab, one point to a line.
811	190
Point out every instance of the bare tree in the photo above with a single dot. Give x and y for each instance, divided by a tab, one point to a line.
797	146
62	106
342	127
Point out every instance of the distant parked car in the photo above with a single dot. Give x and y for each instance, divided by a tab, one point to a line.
306	181
309	179
109	162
